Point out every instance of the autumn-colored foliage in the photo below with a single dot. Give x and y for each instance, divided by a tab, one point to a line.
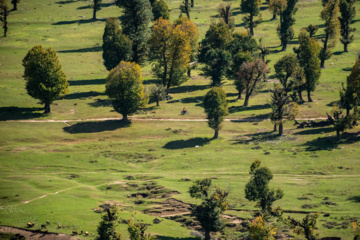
260	230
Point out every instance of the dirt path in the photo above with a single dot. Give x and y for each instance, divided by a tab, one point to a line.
32	235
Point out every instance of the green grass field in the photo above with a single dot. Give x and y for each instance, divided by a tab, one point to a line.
61	171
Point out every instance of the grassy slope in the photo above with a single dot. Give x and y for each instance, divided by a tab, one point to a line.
38	159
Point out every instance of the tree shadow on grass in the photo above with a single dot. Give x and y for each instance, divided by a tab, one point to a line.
151	81
87	82
182	89
80	21
103	5
67	1
257	137
101	103
355	199
240	25
94	127
234	109
83	95
197	99
18	113
82	50
190	143
320	130
329	143
172	238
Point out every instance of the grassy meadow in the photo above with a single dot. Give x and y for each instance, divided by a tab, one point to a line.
63	171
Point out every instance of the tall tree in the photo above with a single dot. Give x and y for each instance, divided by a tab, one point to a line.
116	46
135	20
217	64
306	226
258	190
236	63
158	93
45	79
252	9
224	13
185	8
4	13
276	7
260	230
213	204
107	226
287	20
124	87
96	5
332	27
348	12
251	75
308	55
137	230
286	71
216	108
15	3
312	29
192	3
160	9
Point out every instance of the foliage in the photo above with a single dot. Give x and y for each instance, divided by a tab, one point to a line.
45	79
236	63
259	230
184	8
282	108
332	27
160	9
341	122
264	51
224	13
135	20
158	92
305	226
276	7
312	29
116	46
137	230
14	3
356	228
287	20
107	226
124	87
252	9
287	70
242	42
348	12
216	108
257	189
171	50
308	56
208	212
349	95
217	63
251	75
4	13
254	166
96	7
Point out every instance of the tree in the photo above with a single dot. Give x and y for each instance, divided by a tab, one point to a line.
282	108
287	20
216	65
107	226
341	122
135	20
259	230
124	87
4	13
350	95
276	7
216	108
96	7
312	29
308	56
137	230
15	3
287	70
237	61
224	13
171	50
242	42
160	9
306	226
348	12
45	79
213	204
251	75
332	27
252	9
257	189
158	92
116	46
184	8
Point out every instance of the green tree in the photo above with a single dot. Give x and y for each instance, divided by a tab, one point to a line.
15	3
160	9
332	27
124	87
312	29
185	8
286	71
213	204
224	13
305	226
348	12
137	230
251	76
158	93
45	79
242	42
259	230
258	190
216	108
341	122
96	5
350	94
116	46
282	108
252	9
236	63
135	20
308	56
107	226
287	20
4	13
217	64
276	7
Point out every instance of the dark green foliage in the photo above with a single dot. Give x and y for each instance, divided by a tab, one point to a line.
4	13
224	13
252	9
14	3
160	9
264	51
305	226
96	7
217	62
116	46
257	189
341	122
200	188
242	42
107	226
237	61
350	94
185	8
348	12
312	29
287	20
43	74
216	108
137	230
135	20
287	70
158	93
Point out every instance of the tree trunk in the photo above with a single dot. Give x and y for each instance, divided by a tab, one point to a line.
322	64
157	102
189	73
274	17
216	136
15	6
125	118
94	14
187	8
239	94
5	14
47	108
346	47
164	74
300	96
275	129
347	112
309	96
192	3
207	235
246	102
281	129
338	135
251	25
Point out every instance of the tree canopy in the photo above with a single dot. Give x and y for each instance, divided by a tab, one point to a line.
160	9
348	12
252	9
4	13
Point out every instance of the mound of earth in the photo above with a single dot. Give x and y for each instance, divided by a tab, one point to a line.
33	235
170	207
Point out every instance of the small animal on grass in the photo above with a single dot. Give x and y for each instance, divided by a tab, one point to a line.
29	224
74	232
43	226
48	222
59	226
86	233
81	232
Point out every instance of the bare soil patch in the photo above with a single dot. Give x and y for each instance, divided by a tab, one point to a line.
34	235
